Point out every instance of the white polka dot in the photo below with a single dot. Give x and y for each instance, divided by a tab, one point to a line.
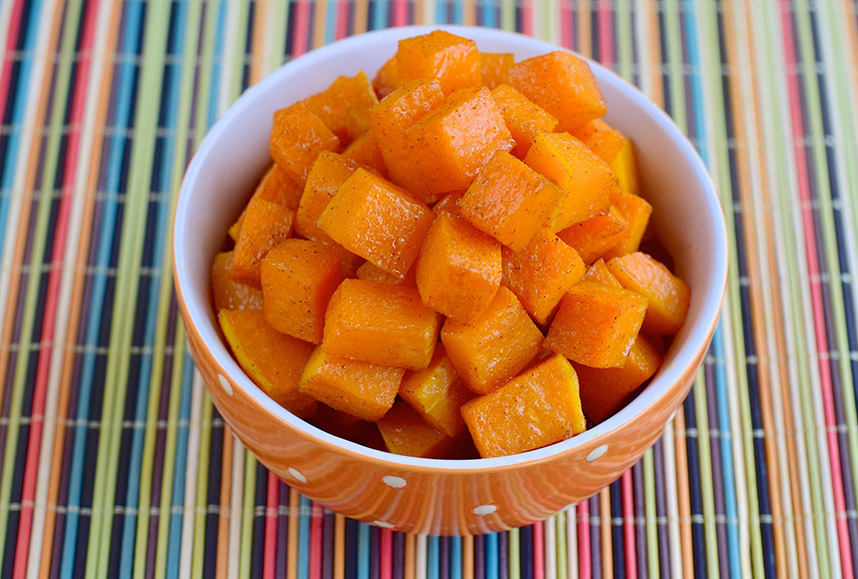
297	474
224	383
484	510
394	482
383	525
597	453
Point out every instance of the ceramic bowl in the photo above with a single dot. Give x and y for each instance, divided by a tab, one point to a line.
445	497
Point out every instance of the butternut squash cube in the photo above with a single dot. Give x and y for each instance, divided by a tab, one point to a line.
605	391
668	295
344	425
524	119
369	272
598	273
333	104
562	84
328	172
448	203
387	78
365	151
496	347
453	60
593	237
596	325
298	278
364	390
406	433
272	360
275	186
587	179
625	168
636	211
437	394
380	323
459	269
230	295
509	201
266	225
539	407
297	138
542	273
378	221
601	138
494	68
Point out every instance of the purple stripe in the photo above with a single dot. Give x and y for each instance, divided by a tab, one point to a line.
595	538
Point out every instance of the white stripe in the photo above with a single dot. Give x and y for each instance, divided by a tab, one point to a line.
549	552
420	556
572	542
236	508
670	492
191	467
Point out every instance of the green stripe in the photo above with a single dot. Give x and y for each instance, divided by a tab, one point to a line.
202	485
507	16
280	16
514	554
560	544
651	515
710	533
247	508
623	33
238	60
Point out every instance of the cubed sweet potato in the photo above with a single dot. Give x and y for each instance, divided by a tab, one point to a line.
297	138
265	225
524	119
593	237
494	67
541	406
333	104
453	60
274	361
230	295
498	345
601	138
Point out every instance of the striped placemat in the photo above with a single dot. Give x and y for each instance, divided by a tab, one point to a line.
113	462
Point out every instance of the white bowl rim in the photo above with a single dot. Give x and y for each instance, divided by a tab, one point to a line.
700	333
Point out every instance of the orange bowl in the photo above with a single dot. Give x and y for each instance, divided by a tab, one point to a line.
445	497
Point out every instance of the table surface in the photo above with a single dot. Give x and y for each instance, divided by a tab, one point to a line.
113	460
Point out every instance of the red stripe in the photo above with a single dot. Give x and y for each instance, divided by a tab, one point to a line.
567	35
606	44
629	526
342	28
527	17
11	43
585	564
28	492
816	290
315	563
301	38
385	562
269	546
539	550
400	12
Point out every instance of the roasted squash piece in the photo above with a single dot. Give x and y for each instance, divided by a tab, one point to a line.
601	138
636	211
453	60
387	78
494	67
230	295
265	225
297	138
334	104
625	168
365	151
344	425
369	272
406	433
592	237
524	119
275	186
598	273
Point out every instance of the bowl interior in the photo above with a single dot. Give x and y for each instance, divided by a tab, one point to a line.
234	154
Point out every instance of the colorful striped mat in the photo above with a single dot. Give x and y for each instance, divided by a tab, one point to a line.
114	463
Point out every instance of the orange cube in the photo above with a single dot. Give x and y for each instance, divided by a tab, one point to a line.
378	221
275	186
333	104
265	225
669	296
625	168
494	67
636	211
572	166
387	78
524	119
369	272
437	394
496	347
453	60
601	138
344	425
230	295
357	122
562	84
448	203
365	151
380	323
406	433
363	390
593	237
542	273
604	391
297	138
298	278
328	172
509	201
451	143
598	273
596	324
459	269
272	360
539	407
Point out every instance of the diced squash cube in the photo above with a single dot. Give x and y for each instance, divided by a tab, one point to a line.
333	104
369	272
496	347
328	172
596	325
668	295
344	425
365	151
298	278
604	391
539	407
380	323
459	269
601	138
636	212
436	393
592	237
364	390
297	139
625	168
542	273
406	433
387	79
449	203
598	273
562	84
524	119
453	60
276	186
230	295
357	122
265	225
509	201
272	360
572	166
494	67
378	221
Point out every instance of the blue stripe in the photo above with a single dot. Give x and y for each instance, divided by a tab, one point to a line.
331	22
456	558
490	14
492	556
432	571
363	551
379	18
304	538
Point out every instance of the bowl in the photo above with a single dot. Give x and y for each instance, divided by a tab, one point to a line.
442	497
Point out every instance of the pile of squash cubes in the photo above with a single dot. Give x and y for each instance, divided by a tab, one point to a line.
444	262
